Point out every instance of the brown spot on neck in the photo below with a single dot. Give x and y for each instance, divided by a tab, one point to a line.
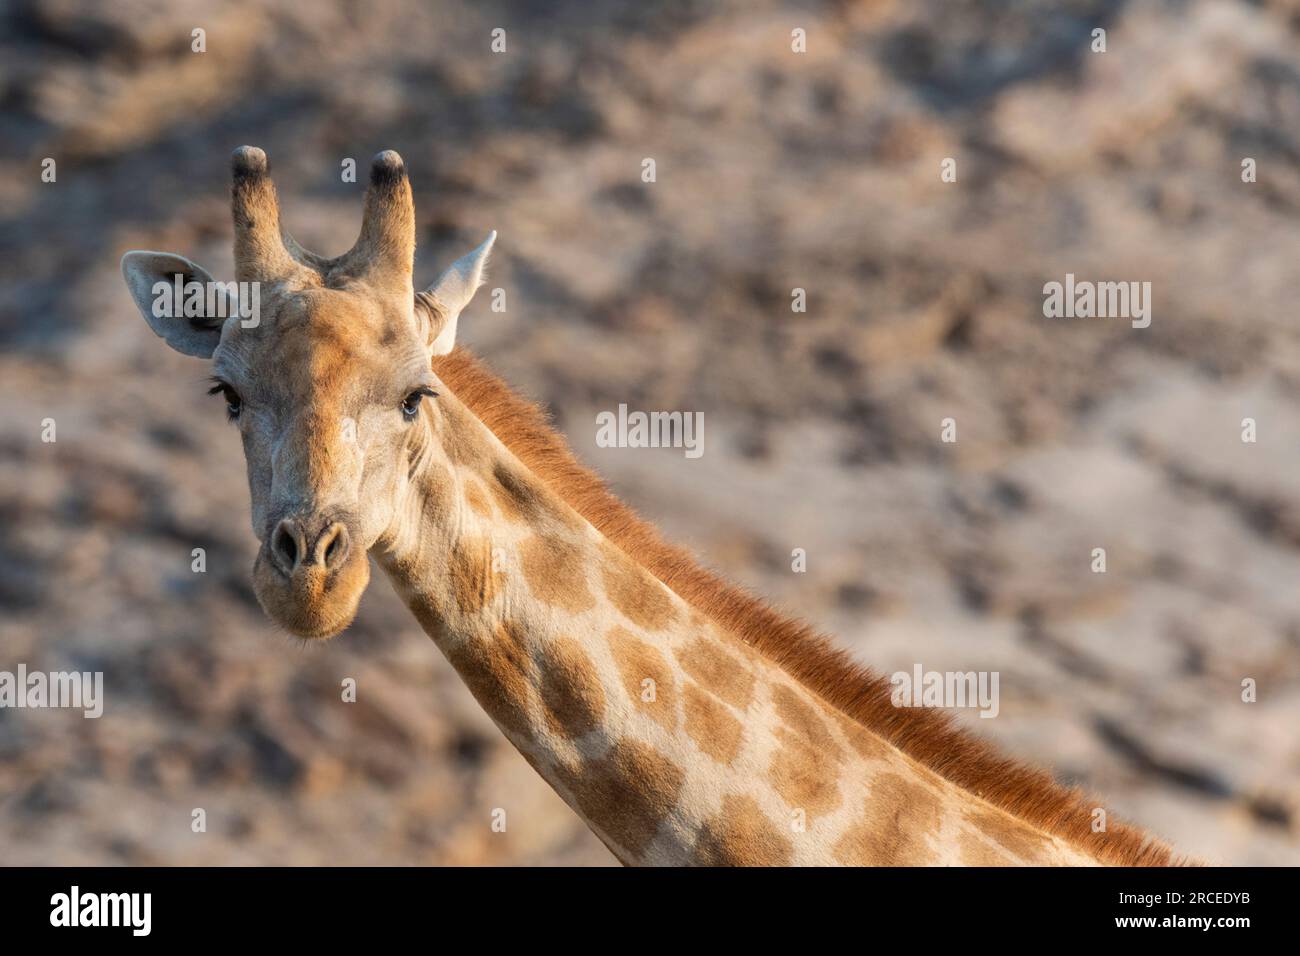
474	583
498	672
802	720
525	500
476	497
637	594
555	571
627	793
713	728
517	499
866	744
892	830
570	687
718	671
1013	835
741	835
637	662
805	778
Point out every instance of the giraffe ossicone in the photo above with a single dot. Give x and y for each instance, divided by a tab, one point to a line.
683	720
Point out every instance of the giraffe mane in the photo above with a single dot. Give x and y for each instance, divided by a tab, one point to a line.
929	736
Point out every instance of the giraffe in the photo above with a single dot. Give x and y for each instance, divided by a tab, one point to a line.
682	719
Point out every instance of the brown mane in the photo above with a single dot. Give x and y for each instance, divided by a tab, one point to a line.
929	736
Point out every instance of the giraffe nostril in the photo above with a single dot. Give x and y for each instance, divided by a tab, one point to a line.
285	545
332	547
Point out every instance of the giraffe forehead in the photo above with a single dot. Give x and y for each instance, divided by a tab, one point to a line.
330	343
327	329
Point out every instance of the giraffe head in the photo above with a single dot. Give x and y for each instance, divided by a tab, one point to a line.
324	365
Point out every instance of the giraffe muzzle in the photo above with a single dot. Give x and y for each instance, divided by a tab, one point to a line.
309	577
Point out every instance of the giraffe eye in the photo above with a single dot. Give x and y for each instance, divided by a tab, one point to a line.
411	404
234	404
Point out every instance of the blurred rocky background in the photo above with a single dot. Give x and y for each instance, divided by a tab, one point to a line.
775	170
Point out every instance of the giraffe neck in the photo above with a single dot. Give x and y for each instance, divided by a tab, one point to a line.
673	739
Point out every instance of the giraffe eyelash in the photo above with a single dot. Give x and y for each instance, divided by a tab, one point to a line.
234	404
411	404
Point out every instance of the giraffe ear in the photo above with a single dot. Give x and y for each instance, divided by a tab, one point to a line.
159	284
442	302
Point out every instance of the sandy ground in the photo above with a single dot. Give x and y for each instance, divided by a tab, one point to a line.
774	170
